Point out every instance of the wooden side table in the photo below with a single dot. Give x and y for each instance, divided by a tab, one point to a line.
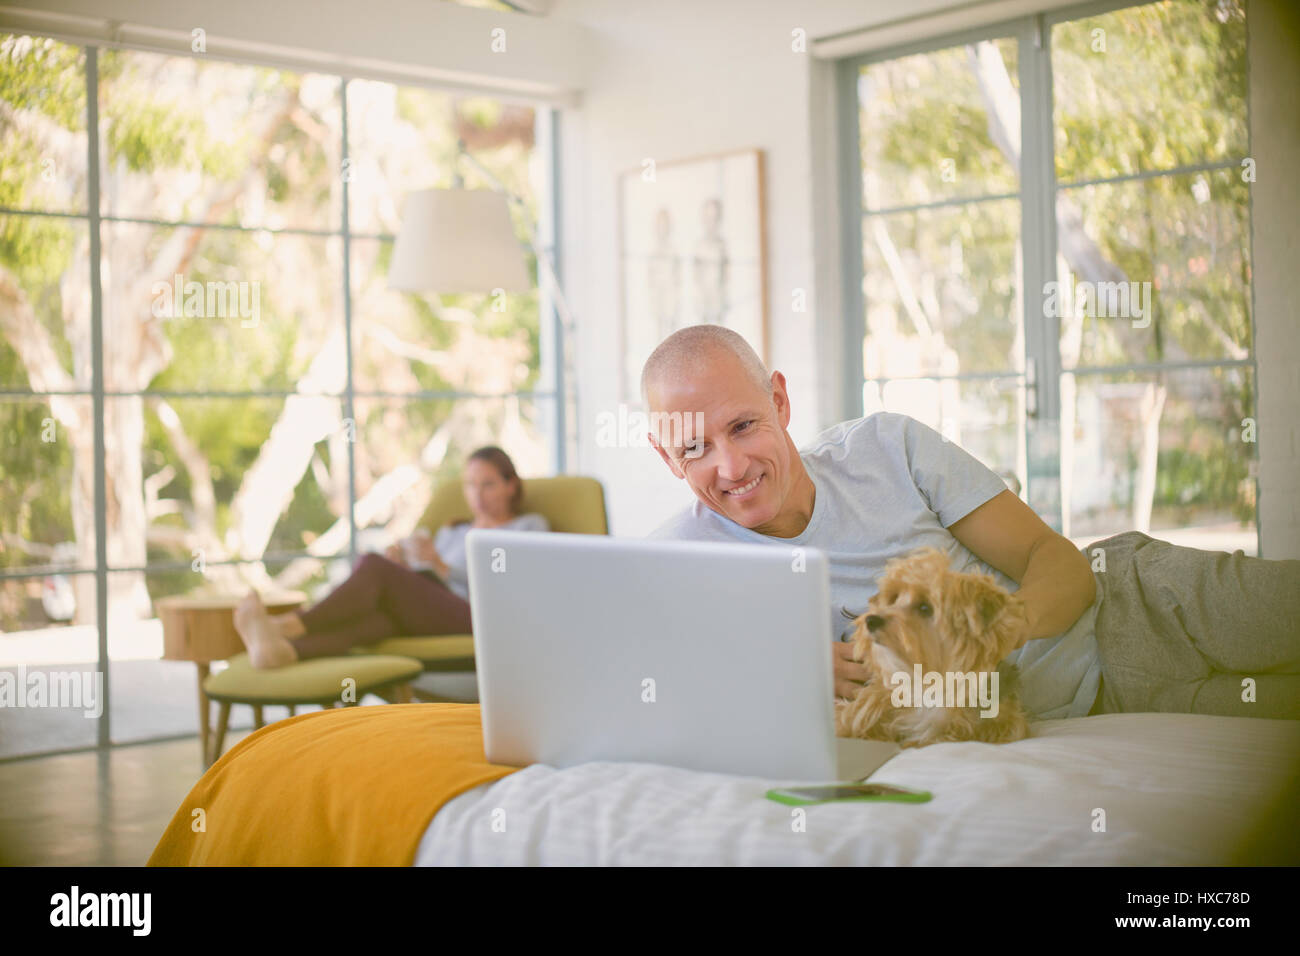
201	628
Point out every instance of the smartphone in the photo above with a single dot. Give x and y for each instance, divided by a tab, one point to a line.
804	796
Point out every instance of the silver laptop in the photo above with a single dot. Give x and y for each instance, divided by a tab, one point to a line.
707	656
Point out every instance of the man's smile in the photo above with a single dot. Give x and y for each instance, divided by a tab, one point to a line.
745	490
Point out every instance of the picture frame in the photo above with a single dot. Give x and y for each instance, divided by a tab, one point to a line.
692	249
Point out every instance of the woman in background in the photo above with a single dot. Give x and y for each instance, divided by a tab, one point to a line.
384	596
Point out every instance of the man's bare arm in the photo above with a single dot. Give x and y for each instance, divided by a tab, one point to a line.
1055	580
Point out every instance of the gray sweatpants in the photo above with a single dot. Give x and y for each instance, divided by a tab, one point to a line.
1180	630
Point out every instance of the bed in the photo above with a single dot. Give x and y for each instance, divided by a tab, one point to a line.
408	783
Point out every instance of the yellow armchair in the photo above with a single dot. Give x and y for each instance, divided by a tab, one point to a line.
570	503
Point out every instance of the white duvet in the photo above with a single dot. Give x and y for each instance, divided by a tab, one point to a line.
1112	789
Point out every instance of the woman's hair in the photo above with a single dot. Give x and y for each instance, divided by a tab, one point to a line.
499	460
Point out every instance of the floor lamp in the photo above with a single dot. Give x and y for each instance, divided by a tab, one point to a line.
462	240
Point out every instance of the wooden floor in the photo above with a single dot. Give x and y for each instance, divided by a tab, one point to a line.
109	807
105	808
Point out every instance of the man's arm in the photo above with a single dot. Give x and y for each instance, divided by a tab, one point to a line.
1055	580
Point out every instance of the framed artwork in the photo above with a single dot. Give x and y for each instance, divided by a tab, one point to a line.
693	244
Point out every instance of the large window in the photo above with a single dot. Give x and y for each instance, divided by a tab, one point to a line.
204	321
1055	260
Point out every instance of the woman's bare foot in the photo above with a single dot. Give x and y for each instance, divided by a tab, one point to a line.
266	646
288	625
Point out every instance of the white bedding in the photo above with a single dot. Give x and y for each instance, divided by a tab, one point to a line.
1175	788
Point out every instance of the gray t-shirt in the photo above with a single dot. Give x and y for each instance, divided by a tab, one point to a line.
885	486
449	542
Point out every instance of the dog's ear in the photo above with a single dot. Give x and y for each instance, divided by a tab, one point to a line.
989	601
977	599
993	619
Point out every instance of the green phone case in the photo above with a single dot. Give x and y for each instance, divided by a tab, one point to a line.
908	796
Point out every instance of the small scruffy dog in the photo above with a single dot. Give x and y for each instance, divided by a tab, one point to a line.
950	624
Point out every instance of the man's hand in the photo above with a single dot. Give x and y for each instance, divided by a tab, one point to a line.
850	674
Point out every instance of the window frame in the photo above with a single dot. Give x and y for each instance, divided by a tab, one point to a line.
551	381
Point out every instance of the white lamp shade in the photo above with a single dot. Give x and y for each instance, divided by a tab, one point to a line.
457	240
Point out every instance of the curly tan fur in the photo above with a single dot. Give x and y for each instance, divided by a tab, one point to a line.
947	621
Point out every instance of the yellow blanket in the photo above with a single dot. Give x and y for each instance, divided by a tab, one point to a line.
348	787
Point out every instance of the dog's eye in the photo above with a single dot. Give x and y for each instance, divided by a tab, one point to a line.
924	609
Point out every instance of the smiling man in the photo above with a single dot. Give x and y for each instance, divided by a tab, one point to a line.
876	488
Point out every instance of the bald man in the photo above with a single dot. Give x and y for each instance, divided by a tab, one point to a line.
1162	628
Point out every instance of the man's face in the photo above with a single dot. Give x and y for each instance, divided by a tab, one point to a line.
731	447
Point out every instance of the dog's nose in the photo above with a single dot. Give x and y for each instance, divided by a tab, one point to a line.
875	622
